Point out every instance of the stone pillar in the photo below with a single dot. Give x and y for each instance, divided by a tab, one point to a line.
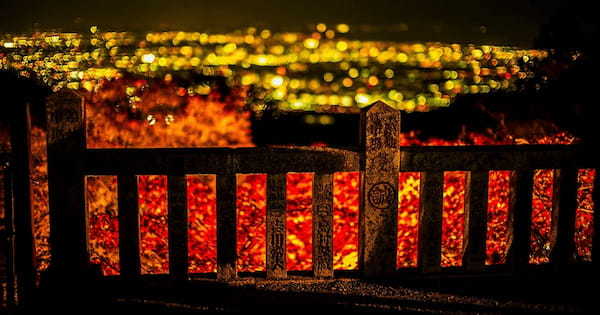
380	165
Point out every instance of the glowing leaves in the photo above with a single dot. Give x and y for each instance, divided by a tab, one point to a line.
541	217
584	218
251	205
103	221
299	221
408	219
498	229
154	245
453	218
345	220
202	223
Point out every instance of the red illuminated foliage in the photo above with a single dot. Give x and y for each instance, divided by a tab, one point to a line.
408	219
154	244
453	218
584	228
101	203
202	223
299	221
39	200
216	121
346	187
140	113
498	233
541	217
251	227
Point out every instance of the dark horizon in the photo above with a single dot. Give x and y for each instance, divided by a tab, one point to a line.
508	22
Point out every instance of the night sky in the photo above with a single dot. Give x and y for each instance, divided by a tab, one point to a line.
513	22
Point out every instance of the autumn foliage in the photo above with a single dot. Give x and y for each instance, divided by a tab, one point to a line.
167	116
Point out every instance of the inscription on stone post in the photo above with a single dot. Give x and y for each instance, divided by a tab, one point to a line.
65	117
276	249
380	129
66	145
323	225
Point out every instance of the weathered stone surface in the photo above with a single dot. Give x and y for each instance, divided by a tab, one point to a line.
129	236
520	207
276	234
476	206
324	160
66	147
226	227
215	160
381	163
323	225
430	229
565	206
485	158
65	116
178	226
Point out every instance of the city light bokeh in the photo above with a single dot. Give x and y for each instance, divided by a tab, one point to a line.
325	69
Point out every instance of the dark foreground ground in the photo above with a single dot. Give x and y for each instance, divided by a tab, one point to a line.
447	296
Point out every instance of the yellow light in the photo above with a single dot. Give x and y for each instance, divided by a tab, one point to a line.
314	84
295	83
395	95
277	81
334	100
418	48
341	45
93	29
279	94
262	60
409	105
194	61
353	73
373	52
343	28
73	85
326	120
265	34
88	85
248	79
362	99
346	101
148	58
186	51
297	105
328	77
311	43
249	39
310	119
321	99
389	73
347	82
402	57
373	80
321	27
